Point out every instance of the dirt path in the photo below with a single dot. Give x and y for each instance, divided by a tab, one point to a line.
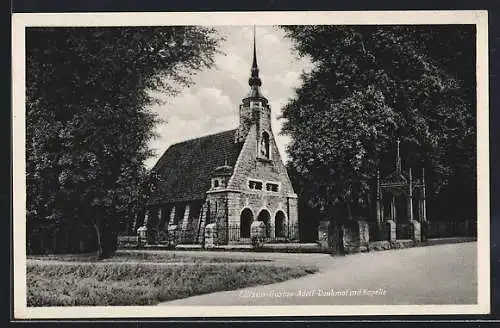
444	274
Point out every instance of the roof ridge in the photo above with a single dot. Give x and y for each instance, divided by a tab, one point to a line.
178	144
187	167
202	137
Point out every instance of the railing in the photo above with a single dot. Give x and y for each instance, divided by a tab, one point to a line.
273	234
231	234
375	231
436	229
403	231
178	236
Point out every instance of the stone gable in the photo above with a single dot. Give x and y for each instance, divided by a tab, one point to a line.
249	166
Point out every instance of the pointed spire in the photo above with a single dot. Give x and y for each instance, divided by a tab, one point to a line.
398	158
254	80
254	63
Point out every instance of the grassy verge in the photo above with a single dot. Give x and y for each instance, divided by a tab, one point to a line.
73	284
160	257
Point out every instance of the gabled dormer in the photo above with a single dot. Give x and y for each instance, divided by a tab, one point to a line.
220	177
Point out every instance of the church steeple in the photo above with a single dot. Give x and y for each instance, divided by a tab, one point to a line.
254	81
254	109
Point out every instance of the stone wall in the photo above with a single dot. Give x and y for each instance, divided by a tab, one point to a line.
356	236
250	166
257	202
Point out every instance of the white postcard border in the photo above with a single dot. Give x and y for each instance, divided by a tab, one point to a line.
22	20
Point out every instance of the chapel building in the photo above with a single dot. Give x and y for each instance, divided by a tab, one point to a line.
229	179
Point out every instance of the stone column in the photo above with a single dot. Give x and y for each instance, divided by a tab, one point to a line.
364	235
420	209
293	219
160	218
415	231
136	221
382	212
184	226
424	214
410	200
393	208
171	220
145	227
379	213
390	230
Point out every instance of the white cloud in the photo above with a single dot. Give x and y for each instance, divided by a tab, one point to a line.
211	104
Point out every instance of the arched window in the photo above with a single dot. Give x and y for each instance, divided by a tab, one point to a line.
264	145
246	219
279	223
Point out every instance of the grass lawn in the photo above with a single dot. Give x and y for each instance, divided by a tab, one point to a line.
145	256
120	283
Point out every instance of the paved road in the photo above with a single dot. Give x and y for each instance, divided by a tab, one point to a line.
443	274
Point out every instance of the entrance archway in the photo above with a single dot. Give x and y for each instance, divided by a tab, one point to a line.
279	224
265	217
401	209
246	219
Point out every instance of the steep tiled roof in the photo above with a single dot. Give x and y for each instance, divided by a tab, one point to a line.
185	168
396	177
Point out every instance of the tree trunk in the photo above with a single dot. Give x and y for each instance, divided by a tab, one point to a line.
340	243
338	238
100	252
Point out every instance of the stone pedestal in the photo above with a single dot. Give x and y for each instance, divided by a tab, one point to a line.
415	231
210	235
258	233
324	235
142	235
389	231
364	235
172	235
356	236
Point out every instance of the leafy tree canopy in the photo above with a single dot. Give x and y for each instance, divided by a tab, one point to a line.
87	117
371	85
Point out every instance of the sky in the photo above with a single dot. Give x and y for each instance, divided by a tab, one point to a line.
211	105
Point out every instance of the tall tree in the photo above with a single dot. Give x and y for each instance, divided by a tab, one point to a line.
369	86
87	117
